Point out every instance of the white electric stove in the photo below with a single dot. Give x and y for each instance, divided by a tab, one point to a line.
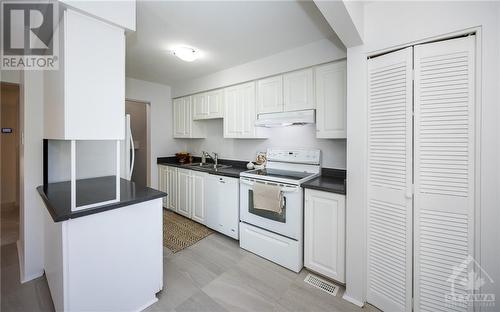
278	236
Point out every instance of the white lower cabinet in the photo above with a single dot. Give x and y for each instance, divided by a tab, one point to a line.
324	234
162	183
198	209
222	204
209	199
184	192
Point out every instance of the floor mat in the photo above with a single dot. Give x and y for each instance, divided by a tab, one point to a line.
180	232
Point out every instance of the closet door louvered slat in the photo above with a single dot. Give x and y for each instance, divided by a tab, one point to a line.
389	181
444	170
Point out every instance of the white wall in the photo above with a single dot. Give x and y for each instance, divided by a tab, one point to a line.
311	54
333	151
31	173
12	76
394	24
159	97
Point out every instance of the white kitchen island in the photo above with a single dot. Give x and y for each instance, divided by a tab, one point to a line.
107	258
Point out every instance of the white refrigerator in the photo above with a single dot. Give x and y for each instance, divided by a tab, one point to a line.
127	153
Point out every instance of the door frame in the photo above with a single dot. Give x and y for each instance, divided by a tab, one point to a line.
148	131
477	31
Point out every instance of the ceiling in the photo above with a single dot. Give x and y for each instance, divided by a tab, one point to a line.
228	33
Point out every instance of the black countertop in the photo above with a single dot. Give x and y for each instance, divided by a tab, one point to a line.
233	171
331	180
57	196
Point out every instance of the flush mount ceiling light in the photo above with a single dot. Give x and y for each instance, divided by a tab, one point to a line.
187	54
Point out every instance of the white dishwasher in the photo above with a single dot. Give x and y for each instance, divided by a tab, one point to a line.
222	204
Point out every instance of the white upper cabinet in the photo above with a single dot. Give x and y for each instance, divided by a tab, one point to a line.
215	103
200	106
208	105
240	112
331	90
85	98
184	126
270	95
298	90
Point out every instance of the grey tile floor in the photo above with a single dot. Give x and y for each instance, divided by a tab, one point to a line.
212	275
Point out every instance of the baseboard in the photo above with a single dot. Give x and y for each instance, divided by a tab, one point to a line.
353	301
25	278
153	301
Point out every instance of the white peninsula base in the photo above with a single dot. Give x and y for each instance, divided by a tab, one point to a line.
107	261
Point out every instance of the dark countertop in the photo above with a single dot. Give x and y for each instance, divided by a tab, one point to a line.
233	171
57	196
331	180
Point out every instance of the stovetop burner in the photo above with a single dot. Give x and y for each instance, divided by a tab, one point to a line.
282	174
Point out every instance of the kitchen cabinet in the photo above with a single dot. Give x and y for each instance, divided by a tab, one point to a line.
331	100
270	95
240	112
208	105
191	194
298	90
162	182
222	204
184	192
167	182
171	188
184	126
85	98
324	233
197	191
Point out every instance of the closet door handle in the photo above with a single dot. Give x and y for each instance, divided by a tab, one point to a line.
409	195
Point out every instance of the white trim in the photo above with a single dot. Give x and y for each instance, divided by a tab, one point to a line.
118	165
353	301
73	175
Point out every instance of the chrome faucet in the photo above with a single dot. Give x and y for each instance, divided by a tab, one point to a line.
215	159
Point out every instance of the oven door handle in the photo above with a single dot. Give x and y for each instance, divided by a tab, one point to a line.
284	189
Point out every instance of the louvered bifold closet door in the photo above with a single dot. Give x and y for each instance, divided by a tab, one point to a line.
444	170
389	181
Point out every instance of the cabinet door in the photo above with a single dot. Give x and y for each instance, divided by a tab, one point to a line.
247	110
198	196
324	234
183	192
172	188
298	90
94	80
179	121
331	91
232	112
215	103
188	116
200	106
162	182
270	95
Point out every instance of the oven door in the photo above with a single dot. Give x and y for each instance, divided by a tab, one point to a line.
288	223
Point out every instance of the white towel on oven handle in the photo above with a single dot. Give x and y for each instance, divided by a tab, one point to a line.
268	197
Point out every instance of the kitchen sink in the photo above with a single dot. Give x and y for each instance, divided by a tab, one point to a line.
208	166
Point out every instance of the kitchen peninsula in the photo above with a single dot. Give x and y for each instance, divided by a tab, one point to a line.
105	257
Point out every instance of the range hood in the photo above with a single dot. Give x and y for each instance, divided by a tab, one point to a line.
284	119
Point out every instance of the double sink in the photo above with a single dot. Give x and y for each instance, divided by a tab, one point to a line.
207	166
